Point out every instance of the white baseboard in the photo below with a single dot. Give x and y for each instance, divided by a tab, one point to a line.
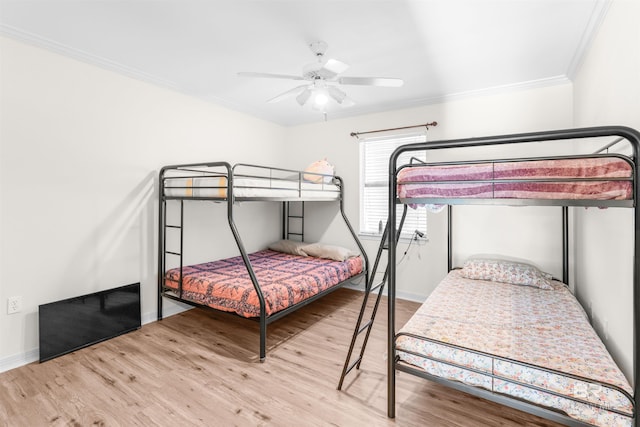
399	294
167	311
410	297
20	359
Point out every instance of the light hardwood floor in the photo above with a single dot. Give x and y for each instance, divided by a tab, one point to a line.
200	368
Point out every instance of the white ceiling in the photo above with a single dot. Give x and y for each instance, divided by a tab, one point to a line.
441	48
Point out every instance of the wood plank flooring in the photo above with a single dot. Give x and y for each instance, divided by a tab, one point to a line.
201	368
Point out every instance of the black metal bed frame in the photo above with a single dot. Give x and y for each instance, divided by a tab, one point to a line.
274	179
624	133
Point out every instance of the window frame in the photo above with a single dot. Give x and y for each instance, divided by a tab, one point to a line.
378	177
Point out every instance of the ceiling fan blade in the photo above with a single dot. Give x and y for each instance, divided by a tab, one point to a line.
269	75
336	94
304	96
371	81
348	102
291	92
327	71
340	97
335	66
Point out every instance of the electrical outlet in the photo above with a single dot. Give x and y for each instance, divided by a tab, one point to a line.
14	305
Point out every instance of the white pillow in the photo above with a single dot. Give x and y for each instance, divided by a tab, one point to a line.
505	271
336	253
289	247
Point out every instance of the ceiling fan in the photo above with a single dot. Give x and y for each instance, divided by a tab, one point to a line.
322	78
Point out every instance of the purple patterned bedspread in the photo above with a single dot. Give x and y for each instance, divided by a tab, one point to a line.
285	280
422	181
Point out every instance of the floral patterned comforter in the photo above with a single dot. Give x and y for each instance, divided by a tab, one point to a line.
545	328
285	280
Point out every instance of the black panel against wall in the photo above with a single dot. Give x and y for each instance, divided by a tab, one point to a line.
78	322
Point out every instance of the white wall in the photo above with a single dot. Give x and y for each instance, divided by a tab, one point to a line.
514	112
80	148
607	92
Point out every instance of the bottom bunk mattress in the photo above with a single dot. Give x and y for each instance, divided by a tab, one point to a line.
284	279
546	329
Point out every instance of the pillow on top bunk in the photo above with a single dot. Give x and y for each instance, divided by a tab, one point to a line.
321	167
505	271
289	247
336	253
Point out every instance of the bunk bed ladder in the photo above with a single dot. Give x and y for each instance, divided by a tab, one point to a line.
180	250
369	288
298	221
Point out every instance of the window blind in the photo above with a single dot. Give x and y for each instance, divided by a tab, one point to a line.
374	181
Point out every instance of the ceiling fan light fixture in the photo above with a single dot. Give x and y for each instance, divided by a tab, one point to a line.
320	98
320	95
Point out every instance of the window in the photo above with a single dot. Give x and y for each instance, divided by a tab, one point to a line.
374	181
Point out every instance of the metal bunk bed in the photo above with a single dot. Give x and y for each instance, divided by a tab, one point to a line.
221	182
618	132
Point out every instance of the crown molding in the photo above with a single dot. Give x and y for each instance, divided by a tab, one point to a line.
597	17
499	90
80	55
478	93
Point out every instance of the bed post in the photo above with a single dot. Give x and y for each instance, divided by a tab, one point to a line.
449	238
351	230
633	136
247	263
634	139
636	295
391	290
565	245
285	223
161	240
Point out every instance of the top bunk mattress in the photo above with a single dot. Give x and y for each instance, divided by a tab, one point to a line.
543	327
584	178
